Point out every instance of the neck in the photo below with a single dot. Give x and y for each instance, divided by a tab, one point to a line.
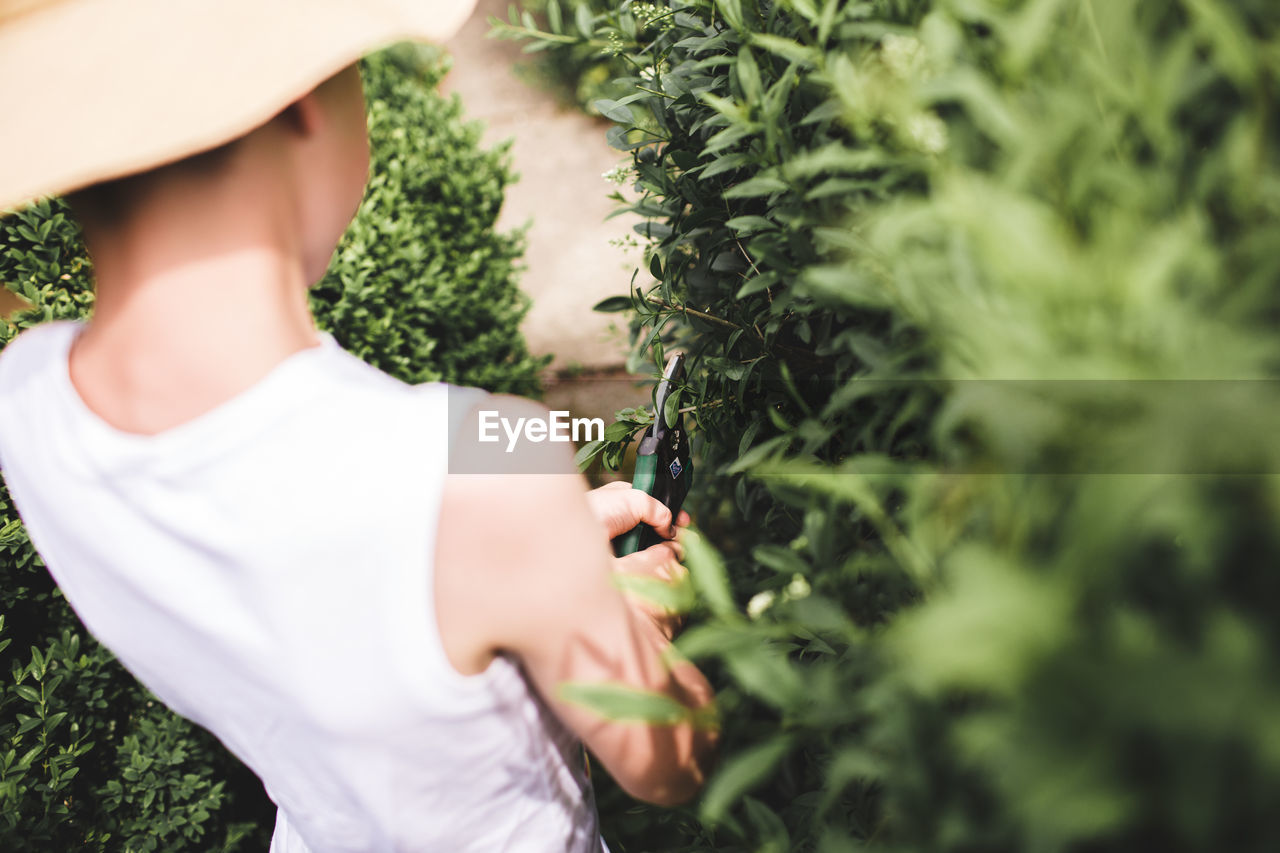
194	302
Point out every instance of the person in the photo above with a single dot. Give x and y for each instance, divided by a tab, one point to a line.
265	530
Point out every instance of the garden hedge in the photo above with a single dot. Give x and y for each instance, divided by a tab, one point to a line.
981	301
421	286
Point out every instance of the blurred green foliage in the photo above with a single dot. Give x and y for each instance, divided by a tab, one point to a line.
423	287
971	606
579	67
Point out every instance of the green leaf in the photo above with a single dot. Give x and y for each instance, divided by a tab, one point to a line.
671	408
612	304
848	764
27	757
757	454
676	597
781	559
11	532
787	49
586	453
727	108
614	111
53	720
753	285
751	225
619	430
755	187
708	574
805	8
748	76
655	267
619	138
732	11
740	774
583	19
766	823
725	163
1233	48
764	671
623	703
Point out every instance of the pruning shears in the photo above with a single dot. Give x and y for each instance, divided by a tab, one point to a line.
664	467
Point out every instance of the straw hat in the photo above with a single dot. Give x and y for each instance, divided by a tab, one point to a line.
97	89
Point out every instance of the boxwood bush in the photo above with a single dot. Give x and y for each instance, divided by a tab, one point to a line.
421	286
981	305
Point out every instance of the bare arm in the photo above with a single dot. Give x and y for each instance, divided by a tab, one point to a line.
543	590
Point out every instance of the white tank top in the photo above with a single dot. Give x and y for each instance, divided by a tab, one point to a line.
266	570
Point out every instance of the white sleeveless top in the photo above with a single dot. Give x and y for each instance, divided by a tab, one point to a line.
266	570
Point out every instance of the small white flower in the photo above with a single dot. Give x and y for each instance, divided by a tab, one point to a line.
904	55
927	132
647	14
617	175
798	588
759	603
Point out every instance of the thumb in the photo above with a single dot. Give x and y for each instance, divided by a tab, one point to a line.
628	508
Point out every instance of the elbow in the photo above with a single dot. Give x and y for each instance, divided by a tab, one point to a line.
675	793
679	779
671	791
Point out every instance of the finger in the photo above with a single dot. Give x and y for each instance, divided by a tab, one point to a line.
675	571
683	520
676	547
656	560
643	507
620	507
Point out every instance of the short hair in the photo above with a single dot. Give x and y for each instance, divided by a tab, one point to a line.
111	198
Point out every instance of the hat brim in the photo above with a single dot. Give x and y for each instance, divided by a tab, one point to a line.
96	89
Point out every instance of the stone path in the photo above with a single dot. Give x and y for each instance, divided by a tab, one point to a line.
560	155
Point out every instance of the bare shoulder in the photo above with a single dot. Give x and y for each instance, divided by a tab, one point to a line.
499	535
506	482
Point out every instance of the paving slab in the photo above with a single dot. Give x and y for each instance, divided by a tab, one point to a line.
560	155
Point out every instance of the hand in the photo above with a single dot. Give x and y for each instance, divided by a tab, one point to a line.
621	507
662	562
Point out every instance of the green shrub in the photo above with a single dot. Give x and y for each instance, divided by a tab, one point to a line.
89	760
422	287
993	610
